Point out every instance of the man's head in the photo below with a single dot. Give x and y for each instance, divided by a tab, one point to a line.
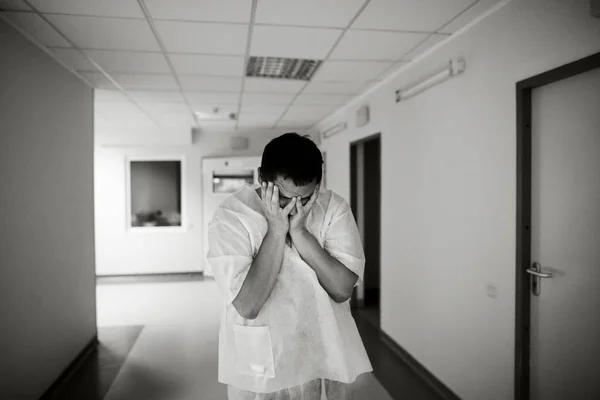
294	163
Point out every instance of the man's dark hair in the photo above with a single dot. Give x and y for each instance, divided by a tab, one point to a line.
294	157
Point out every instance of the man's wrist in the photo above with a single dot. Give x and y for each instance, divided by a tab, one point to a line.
277	235
298	232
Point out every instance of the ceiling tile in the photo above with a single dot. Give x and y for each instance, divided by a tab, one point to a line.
191	83
145	81
74	59
268	98
287	123
350	70
38	28
6	5
103	8
409	15
217	126
375	45
205	10
106	33
212	98
130	62
207	38
264	109
266	85
210	109
372	84
334	87
427	44
258	119
300	112
162	96
326	13
294	42
290	126
165	108
257	124
194	64
98	80
469	15
323	99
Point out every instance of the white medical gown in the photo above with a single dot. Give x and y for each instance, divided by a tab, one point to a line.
300	334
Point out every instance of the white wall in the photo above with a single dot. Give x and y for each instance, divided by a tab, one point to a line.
121	251
449	191
47	282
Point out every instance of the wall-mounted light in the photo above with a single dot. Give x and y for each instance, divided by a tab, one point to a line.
454	67
362	116
329	132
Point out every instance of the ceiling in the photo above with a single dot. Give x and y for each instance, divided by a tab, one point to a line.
155	63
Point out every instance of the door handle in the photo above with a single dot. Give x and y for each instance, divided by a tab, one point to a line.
536	271
540	274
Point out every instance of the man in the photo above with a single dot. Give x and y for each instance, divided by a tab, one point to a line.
286	257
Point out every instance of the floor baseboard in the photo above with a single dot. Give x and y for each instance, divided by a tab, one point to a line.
152	277
54	389
418	368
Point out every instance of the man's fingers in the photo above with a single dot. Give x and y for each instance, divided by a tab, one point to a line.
275	198
268	194
299	205
263	190
288	209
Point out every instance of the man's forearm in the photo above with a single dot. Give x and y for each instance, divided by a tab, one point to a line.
261	277
337	280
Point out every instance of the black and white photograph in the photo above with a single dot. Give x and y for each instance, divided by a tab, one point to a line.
299	199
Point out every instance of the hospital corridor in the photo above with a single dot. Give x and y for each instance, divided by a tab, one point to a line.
153	346
299	199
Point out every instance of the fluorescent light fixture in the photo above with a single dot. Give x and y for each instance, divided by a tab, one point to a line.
216	115
329	132
454	67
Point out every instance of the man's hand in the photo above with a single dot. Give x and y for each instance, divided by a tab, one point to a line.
297	222
277	218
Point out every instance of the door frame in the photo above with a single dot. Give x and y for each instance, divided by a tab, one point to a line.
524	90
354	301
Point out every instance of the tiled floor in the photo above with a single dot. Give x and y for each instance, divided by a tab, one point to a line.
159	342
93	380
397	378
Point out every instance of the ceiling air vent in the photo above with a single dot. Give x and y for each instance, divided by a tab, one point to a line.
282	68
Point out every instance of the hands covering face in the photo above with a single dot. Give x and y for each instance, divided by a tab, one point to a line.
277	217
297	222
280	219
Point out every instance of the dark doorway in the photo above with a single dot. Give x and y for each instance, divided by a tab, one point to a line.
365	198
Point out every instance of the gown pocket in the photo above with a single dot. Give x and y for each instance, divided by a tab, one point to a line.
254	351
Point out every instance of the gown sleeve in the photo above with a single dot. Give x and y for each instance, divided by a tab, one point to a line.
342	240
229	252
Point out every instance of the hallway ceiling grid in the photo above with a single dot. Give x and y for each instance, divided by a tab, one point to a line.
183	63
